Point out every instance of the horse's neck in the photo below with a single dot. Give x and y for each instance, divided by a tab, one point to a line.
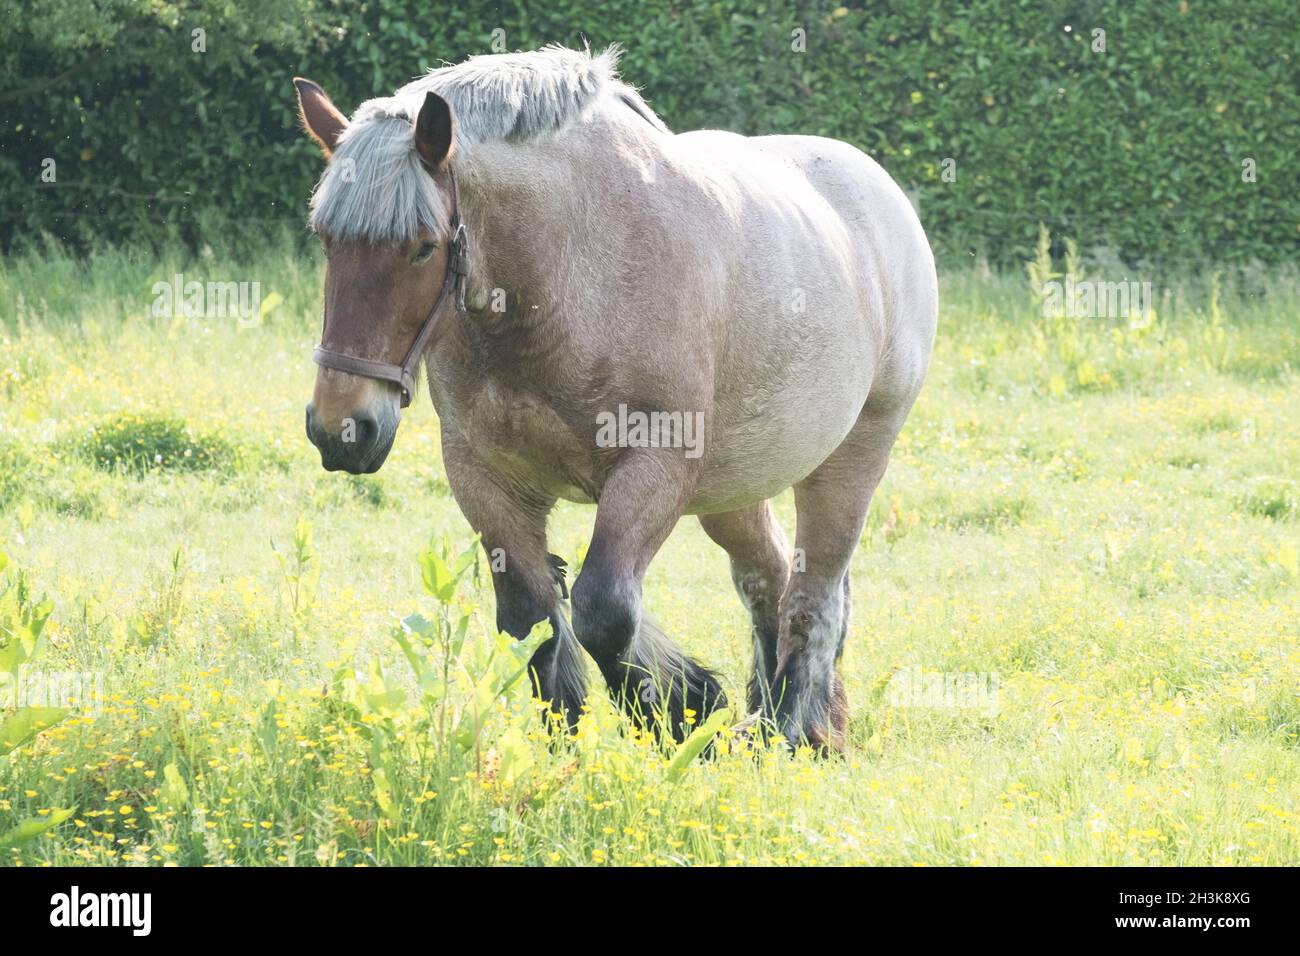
512	203
543	233
521	223
546	209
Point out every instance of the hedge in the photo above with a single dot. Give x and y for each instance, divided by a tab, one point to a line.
995	114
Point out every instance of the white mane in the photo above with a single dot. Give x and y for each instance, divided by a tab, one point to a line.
375	187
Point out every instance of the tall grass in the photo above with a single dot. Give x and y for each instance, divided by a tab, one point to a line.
1091	519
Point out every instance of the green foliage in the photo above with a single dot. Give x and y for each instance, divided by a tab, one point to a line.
1138	147
1275	498
22	619
22	725
459	686
1121	555
300	571
31	828
694	745
142	443
22	622
163	605
16	467
174	791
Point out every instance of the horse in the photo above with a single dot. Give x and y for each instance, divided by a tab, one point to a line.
568	269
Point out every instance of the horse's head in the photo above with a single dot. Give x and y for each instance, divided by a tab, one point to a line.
382	211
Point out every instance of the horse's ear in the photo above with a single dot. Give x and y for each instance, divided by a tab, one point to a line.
320	118
435	131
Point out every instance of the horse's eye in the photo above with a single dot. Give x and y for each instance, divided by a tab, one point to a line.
425	251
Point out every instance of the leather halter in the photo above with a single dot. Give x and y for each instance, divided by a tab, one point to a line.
403	375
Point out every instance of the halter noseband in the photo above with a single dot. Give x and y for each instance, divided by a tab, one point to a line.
404	375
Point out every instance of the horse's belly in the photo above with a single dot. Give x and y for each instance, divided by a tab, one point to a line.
787	393
763	444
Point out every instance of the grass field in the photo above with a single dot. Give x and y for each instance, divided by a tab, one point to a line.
1091	522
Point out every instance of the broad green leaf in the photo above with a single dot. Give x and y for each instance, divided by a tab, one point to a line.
466	558
268	730
384	794
413	657
269	305
11	646
516	756
477	711
522	653
380	694
174	791
20	727
20	630
458	638
437	578
418	624
694	745
33	827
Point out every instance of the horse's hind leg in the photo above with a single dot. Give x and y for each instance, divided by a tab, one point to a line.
808	696
844	624
648	675
760	568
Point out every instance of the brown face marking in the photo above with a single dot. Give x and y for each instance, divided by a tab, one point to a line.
375	300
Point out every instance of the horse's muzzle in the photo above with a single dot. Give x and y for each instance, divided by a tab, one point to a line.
359	446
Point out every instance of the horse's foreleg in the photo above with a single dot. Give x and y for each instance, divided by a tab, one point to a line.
642	498
760	568
528	587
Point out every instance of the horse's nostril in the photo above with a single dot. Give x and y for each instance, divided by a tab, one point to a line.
367	430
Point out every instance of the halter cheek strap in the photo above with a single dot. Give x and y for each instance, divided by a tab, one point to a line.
403	375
